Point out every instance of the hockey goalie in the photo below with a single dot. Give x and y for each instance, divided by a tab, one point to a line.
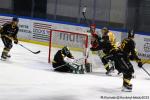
64	62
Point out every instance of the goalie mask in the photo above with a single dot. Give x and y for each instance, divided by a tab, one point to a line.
65	50
131	34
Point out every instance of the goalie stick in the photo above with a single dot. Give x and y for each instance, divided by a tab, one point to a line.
37	52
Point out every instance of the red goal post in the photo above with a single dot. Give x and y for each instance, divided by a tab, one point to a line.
75	40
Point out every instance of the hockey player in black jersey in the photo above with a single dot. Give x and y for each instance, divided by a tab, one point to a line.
129	53
120	56
128	47
120	60
8	33
64	62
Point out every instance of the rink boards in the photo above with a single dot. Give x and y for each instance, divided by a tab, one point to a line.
37	31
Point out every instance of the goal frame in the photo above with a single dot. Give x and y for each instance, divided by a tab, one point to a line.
78	33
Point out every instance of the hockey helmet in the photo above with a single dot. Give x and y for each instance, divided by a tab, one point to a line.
66	50
93	26
105	30
131	34
15	19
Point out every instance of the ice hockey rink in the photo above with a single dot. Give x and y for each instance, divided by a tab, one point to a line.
26	76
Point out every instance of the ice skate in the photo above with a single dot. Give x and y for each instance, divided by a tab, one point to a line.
127	88
110	71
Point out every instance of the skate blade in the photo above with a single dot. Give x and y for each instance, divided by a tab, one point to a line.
3	59
109	74
126	90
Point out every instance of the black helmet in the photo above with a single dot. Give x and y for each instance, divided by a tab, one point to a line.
15	19
131	34
65	50
105	30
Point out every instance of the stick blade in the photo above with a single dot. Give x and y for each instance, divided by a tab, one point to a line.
37	52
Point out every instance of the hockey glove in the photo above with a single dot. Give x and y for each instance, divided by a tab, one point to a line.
131	57
140	64
101	54
16	41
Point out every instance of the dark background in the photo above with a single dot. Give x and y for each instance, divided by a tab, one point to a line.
120	14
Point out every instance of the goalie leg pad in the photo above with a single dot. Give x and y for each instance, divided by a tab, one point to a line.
77	69
88	67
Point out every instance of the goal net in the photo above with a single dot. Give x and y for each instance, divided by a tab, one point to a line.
77	42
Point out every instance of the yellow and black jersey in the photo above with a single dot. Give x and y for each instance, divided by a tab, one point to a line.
112	38
9	30
128	47
106	44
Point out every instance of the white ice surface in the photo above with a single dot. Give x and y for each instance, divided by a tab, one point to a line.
26	76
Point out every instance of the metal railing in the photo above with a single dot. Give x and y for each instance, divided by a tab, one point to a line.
122	14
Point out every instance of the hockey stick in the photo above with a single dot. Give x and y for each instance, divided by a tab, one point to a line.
146	71
83	13
60	66
84	16
37	52
88	23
